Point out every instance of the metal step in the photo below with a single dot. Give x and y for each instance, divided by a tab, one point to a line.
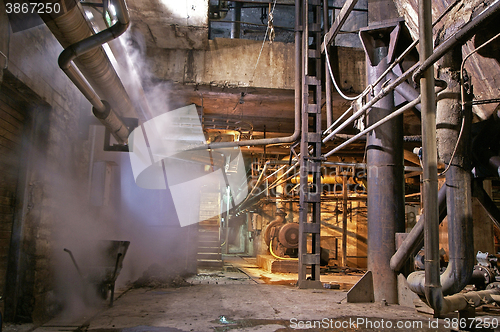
213	263
209	256
210	249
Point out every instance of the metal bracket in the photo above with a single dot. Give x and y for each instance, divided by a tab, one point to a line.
386	34
362	291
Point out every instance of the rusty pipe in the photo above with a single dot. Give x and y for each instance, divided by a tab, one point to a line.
82	46
432	287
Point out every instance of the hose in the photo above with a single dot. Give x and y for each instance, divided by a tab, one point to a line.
278	257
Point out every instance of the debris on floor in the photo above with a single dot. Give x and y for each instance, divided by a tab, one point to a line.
157	276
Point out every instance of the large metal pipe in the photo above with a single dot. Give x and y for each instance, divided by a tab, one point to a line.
462	301
73	32
458	180
415	239
460	37
385	183
430	181
450	122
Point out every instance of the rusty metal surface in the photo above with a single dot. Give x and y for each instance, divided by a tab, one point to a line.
385	171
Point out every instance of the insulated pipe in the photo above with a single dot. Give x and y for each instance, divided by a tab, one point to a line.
458	181
460	37
71	26
415	239
103	112
450	122
72	30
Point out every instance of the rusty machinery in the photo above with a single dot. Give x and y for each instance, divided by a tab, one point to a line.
282	238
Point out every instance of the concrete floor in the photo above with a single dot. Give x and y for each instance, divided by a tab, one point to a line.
243	298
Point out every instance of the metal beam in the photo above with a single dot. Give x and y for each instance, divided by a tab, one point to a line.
339	22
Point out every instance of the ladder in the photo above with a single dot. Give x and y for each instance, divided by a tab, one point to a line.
310	145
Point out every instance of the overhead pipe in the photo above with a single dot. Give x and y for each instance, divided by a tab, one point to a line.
382	121
384	91
83	46
459	38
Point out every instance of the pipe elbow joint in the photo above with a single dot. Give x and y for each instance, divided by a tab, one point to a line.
416	282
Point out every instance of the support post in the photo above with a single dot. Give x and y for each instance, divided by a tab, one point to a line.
236	18
386	214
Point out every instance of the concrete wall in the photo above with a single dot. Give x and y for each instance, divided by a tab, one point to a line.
227	62
61	207
56	165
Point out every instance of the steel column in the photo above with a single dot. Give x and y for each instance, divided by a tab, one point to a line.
386	213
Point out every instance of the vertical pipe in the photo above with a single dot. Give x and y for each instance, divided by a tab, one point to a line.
386	213
236	18
450	120
430	181
344	220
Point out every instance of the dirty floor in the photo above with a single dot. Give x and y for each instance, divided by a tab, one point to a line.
245	298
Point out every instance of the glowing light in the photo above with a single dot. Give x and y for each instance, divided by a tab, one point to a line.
112	9
89	15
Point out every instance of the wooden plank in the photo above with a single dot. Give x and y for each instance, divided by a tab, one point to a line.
339	22
11	118
10	106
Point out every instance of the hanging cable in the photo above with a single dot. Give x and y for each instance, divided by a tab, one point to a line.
368	88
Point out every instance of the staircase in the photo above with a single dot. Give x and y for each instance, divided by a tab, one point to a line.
209	256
